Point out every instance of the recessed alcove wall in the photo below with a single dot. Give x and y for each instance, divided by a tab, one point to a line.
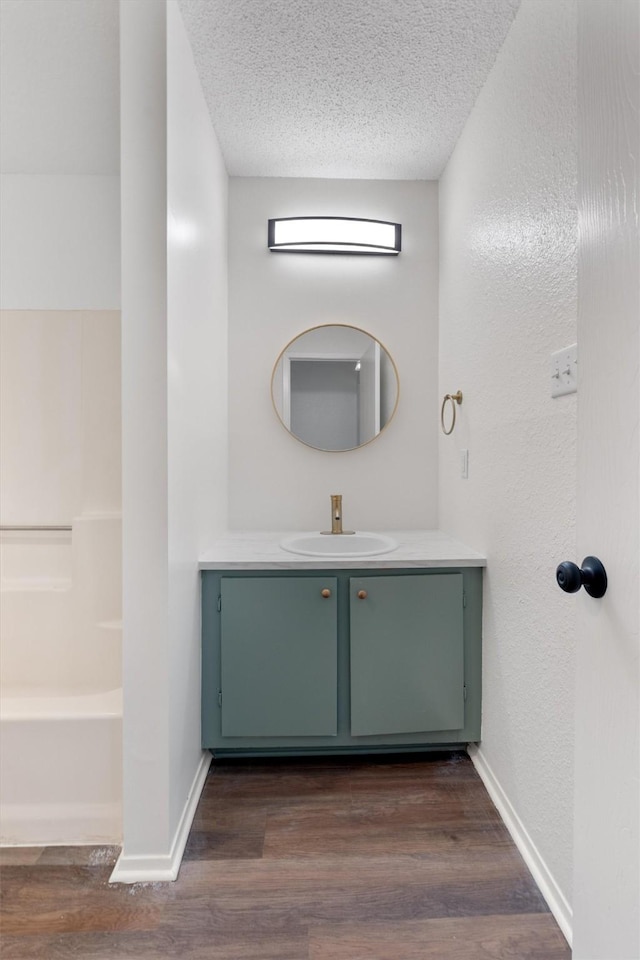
275	481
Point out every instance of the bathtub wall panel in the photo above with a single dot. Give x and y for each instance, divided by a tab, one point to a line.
59	415
101	413
60	590
40	416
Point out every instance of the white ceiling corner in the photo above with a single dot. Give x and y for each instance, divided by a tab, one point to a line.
375	89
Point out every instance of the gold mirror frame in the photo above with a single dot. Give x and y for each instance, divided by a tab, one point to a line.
346	326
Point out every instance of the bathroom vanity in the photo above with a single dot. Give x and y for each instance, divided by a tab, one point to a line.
308	655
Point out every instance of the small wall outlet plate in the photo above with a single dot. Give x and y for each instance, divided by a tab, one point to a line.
564	371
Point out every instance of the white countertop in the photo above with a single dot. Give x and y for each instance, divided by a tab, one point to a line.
262	551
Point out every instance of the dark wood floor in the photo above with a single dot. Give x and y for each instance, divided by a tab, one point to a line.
394	859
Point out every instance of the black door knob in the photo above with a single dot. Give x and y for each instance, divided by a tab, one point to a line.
592	576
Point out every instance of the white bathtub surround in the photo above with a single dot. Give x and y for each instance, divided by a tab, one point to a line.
36	613
60	590
261	550
60	699
59	415
60	766
508	299
60	614
97	591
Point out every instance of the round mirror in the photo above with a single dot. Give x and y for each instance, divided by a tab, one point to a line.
335	387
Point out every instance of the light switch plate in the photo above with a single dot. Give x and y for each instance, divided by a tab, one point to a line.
464	464
564	371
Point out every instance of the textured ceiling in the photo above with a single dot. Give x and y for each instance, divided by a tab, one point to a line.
307	88
59	86
343	88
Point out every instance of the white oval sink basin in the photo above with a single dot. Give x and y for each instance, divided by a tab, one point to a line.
343	545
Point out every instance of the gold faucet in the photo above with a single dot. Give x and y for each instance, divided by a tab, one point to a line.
336	513
336	517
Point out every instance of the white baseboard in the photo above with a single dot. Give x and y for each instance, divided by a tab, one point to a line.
153	869
556	900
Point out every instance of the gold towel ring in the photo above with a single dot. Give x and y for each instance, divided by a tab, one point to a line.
455	398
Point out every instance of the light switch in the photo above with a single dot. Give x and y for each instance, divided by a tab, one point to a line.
464	464
564	371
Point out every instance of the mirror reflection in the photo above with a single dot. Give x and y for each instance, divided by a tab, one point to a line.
335	387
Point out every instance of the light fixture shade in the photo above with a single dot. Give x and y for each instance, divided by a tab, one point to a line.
335	235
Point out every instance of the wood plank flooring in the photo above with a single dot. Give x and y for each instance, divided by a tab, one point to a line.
399	858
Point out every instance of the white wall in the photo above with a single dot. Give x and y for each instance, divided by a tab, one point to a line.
197	386
507	300
59	156
145	575
174	423
59	90
607	796
59	242
275	481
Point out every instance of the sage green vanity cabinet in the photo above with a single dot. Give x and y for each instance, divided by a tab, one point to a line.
407	662
278	657
309	661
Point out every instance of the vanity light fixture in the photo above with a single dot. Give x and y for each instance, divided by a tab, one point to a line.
335	235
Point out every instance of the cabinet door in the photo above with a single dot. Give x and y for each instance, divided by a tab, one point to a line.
407	666
279	657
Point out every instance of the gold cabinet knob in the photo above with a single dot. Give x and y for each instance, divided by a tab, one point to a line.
362	594
325	593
